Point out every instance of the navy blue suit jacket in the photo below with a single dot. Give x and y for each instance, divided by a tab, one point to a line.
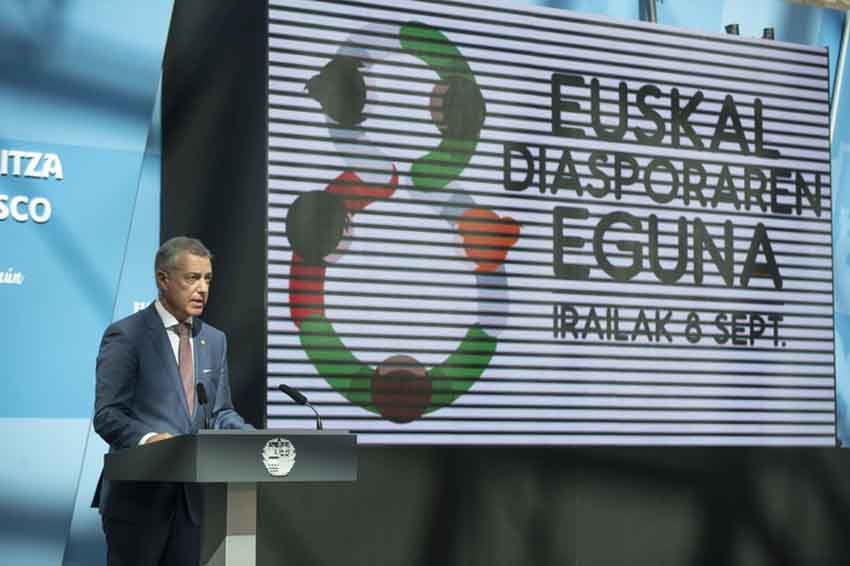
139	391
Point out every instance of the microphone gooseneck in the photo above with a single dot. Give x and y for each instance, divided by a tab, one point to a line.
301	399
293	394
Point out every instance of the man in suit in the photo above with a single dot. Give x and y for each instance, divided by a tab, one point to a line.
148	368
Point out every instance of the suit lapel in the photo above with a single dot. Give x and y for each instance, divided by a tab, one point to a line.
159	338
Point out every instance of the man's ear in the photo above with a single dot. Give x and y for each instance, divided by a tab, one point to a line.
161	276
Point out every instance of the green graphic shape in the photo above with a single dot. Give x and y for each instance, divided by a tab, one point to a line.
439	167
352	379
458	372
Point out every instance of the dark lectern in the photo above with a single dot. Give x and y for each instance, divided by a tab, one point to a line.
239	459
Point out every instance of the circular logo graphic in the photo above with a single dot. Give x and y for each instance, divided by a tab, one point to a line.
400	388
278	456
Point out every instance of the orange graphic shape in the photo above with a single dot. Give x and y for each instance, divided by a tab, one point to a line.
487	238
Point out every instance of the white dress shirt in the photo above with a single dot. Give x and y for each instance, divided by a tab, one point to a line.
170	322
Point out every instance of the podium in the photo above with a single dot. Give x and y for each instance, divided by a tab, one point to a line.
238	460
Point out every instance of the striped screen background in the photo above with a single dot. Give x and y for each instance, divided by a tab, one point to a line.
450	310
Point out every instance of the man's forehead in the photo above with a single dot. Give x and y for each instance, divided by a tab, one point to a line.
194	263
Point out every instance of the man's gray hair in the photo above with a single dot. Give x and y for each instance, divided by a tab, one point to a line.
167	254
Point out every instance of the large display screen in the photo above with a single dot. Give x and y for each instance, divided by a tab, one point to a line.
491	224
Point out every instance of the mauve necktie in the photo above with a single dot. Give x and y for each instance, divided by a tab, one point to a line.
187	371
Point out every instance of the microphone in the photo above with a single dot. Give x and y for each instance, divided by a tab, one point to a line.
300	399
202	399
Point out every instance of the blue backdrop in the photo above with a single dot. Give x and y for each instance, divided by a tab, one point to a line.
78	80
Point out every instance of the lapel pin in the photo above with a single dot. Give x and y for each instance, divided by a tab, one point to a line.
203	342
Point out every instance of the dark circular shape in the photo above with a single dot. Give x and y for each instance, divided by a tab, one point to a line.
464	108
315	224
438	94
401	389
341	90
